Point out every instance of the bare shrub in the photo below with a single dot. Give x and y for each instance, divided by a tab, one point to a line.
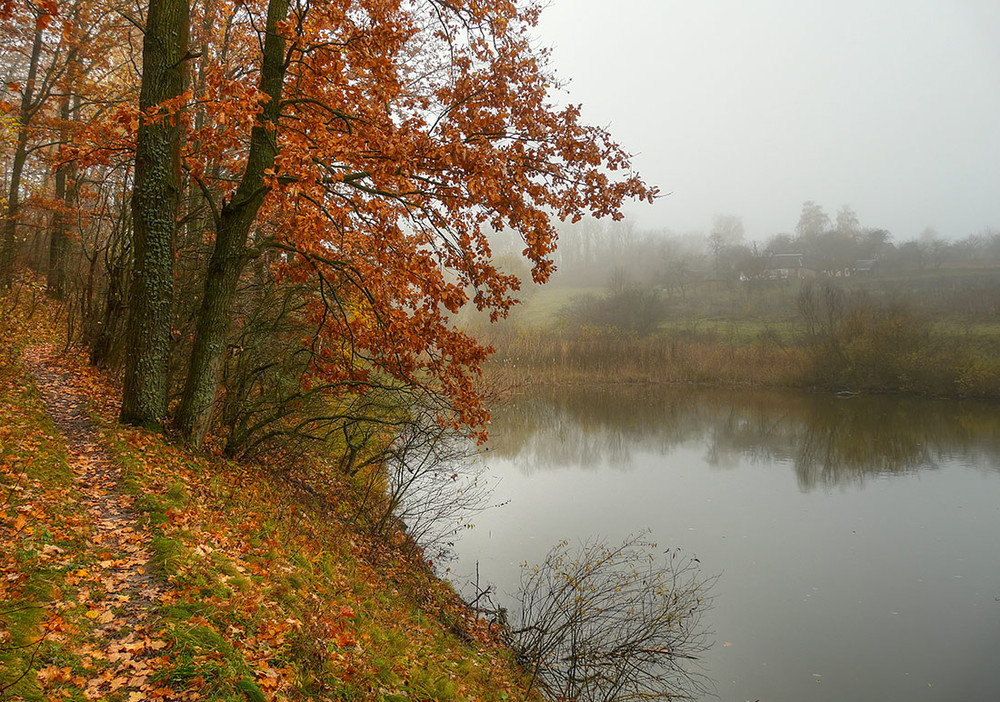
621	622
415	472
435	485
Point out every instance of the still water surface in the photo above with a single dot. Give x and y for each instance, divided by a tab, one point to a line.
857	539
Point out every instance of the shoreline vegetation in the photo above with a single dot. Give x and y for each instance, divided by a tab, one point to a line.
832	337
834	306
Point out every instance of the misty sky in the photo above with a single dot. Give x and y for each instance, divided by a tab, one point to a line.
750	107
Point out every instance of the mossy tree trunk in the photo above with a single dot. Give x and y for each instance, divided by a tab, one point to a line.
155	202
230	253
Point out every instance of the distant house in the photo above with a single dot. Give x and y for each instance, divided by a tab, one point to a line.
785	267
864	267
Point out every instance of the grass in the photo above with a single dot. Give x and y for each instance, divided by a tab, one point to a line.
934	361
270	590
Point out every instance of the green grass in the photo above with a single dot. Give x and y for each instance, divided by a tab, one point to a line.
265	592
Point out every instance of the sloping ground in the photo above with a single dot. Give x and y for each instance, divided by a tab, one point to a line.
131	569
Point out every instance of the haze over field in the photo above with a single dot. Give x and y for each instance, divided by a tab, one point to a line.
752	108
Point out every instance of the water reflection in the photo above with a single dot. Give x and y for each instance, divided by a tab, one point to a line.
828	440
828	591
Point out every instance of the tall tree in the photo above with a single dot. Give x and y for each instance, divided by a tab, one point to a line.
65	172
31	101
232	227
847	222
155	202
379	144
813	221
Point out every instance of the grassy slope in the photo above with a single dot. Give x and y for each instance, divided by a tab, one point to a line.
271	591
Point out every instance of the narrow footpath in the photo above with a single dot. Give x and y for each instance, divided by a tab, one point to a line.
119	591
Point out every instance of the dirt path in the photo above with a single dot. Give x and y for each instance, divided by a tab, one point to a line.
120	593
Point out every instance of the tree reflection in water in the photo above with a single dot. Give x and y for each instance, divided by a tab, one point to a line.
828	440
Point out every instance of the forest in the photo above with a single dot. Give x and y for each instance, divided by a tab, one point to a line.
276	208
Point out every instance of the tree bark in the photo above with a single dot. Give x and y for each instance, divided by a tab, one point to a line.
230	255
155	202
65	195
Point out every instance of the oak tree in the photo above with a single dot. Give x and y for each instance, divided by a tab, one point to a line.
363	152
377	147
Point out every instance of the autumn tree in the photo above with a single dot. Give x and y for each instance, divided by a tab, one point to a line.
67	93
27	26
847	222
63	61
813	221
232	224
368	154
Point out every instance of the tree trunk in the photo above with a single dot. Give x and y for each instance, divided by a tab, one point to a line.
59	241
155	201
8	245
65	173
229	255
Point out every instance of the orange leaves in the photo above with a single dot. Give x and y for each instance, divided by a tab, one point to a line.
100	616
53	674
286	603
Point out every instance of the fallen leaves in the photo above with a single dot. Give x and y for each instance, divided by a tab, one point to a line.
263	605
68	511
99	616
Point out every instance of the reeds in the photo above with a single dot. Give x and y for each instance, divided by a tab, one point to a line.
878	356
595	355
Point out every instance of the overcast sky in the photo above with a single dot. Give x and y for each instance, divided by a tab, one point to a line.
751	107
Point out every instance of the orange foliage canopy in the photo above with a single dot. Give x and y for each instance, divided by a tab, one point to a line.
409	129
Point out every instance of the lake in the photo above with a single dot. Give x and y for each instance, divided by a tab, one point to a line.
856	539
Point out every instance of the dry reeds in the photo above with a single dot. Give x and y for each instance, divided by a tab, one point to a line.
595	355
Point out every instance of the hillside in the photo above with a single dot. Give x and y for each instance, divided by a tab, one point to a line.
133	569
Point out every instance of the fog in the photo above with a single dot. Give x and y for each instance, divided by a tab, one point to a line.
752	108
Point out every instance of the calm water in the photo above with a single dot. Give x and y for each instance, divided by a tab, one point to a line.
858	539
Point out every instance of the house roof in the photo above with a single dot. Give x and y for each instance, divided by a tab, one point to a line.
785	261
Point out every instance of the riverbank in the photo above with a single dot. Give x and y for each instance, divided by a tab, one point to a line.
870	354
136	569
